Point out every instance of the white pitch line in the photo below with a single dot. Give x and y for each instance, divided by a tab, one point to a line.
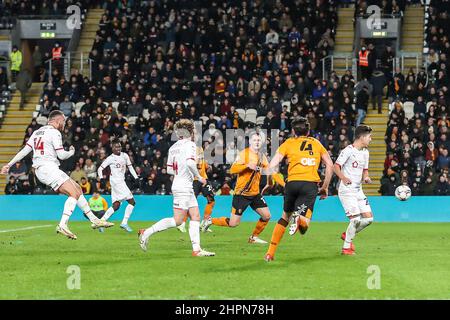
26	228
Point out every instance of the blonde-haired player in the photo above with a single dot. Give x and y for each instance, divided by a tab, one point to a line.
205	189
46	144
352	167
249	166
182	164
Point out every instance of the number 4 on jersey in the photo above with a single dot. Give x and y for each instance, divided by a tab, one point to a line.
39	145
308	148
175	166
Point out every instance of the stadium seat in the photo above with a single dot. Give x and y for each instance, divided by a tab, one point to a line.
115	105
132	121
1	115
241	113
217	118
408	106
204	119
250	115
2	107
260	121
429	105
146	114
41	120
287	104
35	114
78	107
38	107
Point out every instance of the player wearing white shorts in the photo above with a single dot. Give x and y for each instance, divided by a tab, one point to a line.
352	168
46	144
118	163
181	163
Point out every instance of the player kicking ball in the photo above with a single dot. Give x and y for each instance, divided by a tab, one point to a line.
304	155
181	163
248	167
47	146
352	167
118	162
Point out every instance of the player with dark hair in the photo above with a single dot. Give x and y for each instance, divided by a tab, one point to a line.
304	155
47	146
352	167
118	162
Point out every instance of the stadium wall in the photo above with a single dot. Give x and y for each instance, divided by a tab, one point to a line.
153	208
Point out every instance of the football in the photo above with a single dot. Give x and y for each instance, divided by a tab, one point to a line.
403	193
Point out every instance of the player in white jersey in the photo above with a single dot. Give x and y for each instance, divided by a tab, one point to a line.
118	162
46	144
352	168
182	163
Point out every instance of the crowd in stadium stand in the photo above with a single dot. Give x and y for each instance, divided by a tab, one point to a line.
191	60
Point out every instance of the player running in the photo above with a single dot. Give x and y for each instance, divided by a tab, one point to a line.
47	146
183	165
248	167
206	190
118	162
304	155
352	167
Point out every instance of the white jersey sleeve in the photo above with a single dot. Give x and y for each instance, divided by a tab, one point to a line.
57	140
170	160
130	166
366	165
104	165
343	156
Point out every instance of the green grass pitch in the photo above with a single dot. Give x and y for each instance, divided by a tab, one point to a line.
413	260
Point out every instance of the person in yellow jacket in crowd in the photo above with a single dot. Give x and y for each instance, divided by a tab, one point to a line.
98	206
16	62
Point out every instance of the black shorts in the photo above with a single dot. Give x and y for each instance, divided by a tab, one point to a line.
300	196
207	190
240	203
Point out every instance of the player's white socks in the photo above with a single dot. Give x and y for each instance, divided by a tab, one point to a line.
108	213
128	211
84	206
351	231
69	206
364	223
161	225
194	234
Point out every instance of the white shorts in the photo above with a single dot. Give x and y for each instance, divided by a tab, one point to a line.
354	203
51	176
184	201
120	191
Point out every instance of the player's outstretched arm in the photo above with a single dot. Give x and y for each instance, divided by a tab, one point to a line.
63	154
274	164
19	156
